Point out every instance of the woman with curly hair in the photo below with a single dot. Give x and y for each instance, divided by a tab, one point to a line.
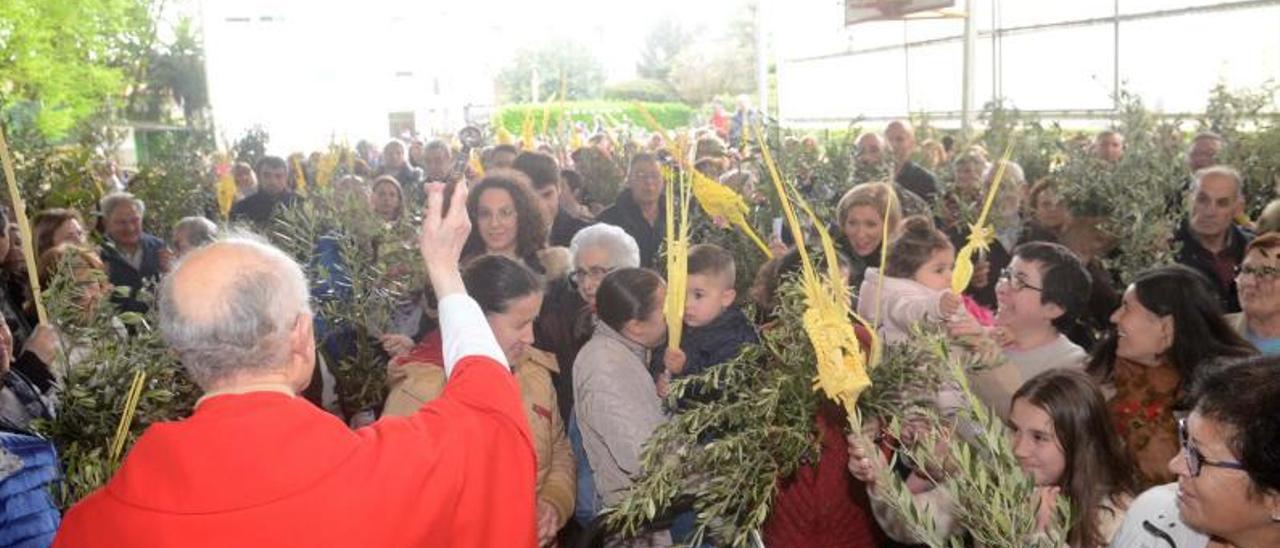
506	220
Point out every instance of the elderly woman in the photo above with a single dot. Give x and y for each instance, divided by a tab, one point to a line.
1168	330
134	259
509	295
1259	284
567	320
1228	489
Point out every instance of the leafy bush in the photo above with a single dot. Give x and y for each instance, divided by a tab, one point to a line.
649	90
669	115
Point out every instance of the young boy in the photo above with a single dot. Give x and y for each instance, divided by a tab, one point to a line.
714	329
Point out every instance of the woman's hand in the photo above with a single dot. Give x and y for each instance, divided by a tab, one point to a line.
548	523
865	459
442	238
43	342
1048	503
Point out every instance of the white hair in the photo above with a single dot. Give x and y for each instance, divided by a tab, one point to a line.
622	248
248	327
114	200
1218	171
199	230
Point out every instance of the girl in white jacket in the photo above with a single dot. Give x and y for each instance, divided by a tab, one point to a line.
915	283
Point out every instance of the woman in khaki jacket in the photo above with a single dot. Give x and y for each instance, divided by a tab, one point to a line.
510	296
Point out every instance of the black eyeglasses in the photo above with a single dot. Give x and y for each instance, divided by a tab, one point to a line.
1007	275
595	273
1196	461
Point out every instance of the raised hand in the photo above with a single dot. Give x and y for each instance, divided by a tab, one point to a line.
442	238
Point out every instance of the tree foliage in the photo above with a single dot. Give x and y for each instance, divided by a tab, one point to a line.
664	41
557	63
69	58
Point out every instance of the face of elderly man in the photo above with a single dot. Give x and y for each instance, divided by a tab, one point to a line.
1215	202
124	225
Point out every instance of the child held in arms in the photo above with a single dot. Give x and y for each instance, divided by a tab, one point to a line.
714	329
915	285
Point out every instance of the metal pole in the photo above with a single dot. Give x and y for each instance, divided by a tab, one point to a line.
1115	60
966	91
762	65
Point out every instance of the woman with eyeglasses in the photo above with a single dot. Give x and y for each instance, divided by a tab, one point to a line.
1258	282
1227	467
506	220
1169	326
1039	296
566	323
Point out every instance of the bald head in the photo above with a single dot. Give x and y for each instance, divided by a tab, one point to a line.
902	139
233	311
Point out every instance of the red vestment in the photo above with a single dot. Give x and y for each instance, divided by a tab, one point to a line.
264	469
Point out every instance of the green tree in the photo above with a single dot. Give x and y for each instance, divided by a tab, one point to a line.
549	63
664	42
723	64
69	58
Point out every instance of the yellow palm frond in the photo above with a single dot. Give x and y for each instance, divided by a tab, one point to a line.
299	178
226	187
841	363
721	202
980	233
327	166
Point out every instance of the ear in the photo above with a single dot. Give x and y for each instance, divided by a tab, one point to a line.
728	297
1053	311
302	352
1166	331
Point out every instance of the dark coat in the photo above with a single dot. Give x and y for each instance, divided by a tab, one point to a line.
261	207
562	327
1194	255
564	227
122	274
918	180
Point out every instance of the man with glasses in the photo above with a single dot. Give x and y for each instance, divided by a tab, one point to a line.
1039	296
638	209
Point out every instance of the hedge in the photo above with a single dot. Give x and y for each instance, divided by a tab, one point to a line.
668	115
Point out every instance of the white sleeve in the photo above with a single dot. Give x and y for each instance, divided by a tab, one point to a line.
465	332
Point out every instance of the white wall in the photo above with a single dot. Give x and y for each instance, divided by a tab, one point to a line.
1171	62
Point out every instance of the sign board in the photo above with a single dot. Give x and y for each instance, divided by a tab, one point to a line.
860	11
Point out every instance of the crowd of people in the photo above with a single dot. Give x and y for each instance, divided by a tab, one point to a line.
1150	407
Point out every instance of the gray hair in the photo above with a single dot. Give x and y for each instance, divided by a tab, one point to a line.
1218	171
622	248
1012	170
199	230
114	200
249	327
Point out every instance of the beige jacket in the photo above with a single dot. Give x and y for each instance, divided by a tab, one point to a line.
414	384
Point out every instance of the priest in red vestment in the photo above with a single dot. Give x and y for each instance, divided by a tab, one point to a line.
256	465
